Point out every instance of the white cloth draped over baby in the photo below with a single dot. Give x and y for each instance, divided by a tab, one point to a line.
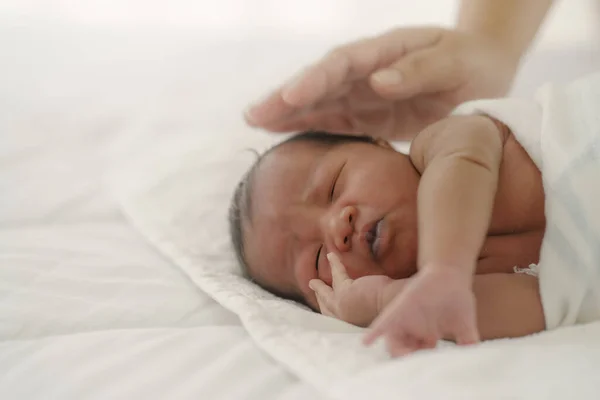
560	130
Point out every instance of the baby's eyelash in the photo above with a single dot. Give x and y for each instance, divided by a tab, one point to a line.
332	190
318	256
335	181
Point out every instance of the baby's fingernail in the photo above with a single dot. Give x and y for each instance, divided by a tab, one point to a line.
311	285
387	77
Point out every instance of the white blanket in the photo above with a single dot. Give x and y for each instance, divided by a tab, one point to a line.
177	194
560	130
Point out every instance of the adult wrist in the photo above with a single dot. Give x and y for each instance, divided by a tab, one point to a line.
513	48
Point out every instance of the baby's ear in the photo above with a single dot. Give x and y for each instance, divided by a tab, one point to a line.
383	143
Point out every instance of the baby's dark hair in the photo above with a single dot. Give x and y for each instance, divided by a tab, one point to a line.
241	201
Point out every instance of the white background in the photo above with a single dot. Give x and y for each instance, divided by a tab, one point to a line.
575	21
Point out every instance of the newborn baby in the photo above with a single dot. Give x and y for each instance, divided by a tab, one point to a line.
420	247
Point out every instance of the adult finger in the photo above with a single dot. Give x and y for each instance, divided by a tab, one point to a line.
355	61
327	76
271	108
338	271
426	71
309	87
275	109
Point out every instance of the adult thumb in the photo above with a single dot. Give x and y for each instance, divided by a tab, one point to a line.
424	72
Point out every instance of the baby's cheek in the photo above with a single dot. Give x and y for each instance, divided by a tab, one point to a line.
357	268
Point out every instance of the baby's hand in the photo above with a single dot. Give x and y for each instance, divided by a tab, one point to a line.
352	301
436	304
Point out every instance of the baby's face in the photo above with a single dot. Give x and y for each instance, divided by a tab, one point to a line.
355	199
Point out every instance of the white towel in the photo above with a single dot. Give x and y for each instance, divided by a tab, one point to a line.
560	130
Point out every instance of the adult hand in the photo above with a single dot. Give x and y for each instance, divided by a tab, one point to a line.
389	86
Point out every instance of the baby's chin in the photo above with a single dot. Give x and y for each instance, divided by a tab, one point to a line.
398	267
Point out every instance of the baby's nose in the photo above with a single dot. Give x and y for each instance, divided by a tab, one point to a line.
341	226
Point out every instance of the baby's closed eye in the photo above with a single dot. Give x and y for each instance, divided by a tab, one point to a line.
336	177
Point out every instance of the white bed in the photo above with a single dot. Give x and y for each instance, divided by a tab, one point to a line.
88	309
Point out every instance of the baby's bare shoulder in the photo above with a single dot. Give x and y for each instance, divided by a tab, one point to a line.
469	135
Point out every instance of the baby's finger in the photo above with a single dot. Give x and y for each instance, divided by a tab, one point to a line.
398	347
338	271
321	288
374	333
467	335
380	326
324	293
428	343
401	345
372	336
323	309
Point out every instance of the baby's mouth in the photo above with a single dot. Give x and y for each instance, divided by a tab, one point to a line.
374	238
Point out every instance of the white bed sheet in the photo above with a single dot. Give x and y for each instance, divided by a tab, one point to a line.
87	308
206	362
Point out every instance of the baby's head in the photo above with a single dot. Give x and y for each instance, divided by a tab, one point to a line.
317	193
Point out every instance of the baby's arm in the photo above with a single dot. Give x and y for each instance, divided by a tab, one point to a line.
508	305
459	158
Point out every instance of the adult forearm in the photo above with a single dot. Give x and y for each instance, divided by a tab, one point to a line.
512	23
